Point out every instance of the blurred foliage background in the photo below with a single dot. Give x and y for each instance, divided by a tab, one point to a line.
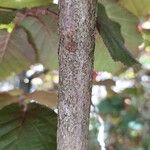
120	110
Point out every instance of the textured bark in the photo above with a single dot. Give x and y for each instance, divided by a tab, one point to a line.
76	52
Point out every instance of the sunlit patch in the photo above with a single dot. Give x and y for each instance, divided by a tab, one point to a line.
37	67
29	73
9	27
141	47
135	125
55	77
26	80
146	25
55	1
37	81
32	101
127	101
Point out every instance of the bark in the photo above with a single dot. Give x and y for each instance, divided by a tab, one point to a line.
76	54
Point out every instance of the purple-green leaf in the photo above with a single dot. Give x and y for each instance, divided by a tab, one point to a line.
16	53
34	129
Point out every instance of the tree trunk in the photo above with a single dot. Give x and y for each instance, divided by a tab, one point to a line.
76	55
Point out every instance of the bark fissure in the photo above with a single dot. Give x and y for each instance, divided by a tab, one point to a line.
76	53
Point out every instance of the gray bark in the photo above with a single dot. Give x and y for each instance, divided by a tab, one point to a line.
76	55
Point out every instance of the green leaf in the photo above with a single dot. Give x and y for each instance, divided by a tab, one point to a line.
105	107
134	91
111	105
128	24
138	7
34	129
17	4
16	53
111	34
103	60
130	115
6	16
